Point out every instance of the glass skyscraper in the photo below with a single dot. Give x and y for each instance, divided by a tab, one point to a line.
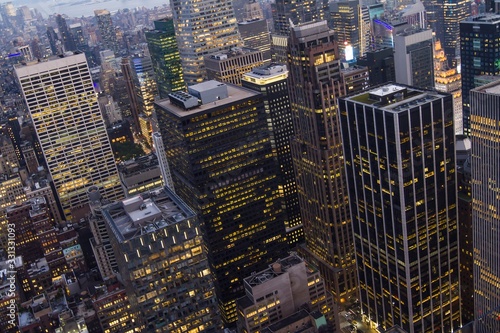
63	106
165	56
223	165
400	166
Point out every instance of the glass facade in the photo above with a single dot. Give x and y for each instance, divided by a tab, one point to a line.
223	165
400	167
63	106
165	57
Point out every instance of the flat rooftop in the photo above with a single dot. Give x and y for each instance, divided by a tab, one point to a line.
146	213
483	19
492	88
235	94
395	97
274	270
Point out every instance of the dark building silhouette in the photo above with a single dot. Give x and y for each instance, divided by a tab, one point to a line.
380	63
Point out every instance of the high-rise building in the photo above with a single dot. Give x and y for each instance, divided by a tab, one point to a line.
53	40
380	63
78	37
271	82
106	29
448	79
344	19
287	12
129	85
480	54
414	59
354	79
229	66
202	28
444	19
400	166
165	56
314	84
484	120
283	289
144	83
223	165
159	248
162	161
63	106
255	35
66	37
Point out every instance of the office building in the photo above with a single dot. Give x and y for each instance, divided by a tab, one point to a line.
380	63
223	165
287	12
354	78
53	41
162	161
69	125
283	289
255	35
165	57
448	79
400	166
129	85
160	254
66	37
202	28
79	40
484	120
229	66
314	84
463	149
345	22
140	174
144	84
11	192
107	34
480	51
444	19
271	82
413	58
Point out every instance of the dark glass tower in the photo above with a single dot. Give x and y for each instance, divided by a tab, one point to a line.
294	12
223	165
106	30
271	81
480	54
67	39
400	166
314	85
165	57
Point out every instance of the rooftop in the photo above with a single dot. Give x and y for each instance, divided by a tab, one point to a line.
394	97
492	88
146	213
488	18
233	52
235	94
274	270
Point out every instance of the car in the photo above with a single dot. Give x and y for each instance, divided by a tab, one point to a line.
354	322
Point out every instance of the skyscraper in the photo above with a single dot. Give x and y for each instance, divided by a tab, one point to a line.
484	122
63	106
159	249
106	29
400	166
202	28
67	39
286	12
144	83
314	84
345	21
223	165
271	81
165	56
480	55
413	58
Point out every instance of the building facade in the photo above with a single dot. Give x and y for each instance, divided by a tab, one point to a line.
165	56
159	249
223	165
203	28
400	167
271	81
314	83
479	52
485	102
63	106
106	29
